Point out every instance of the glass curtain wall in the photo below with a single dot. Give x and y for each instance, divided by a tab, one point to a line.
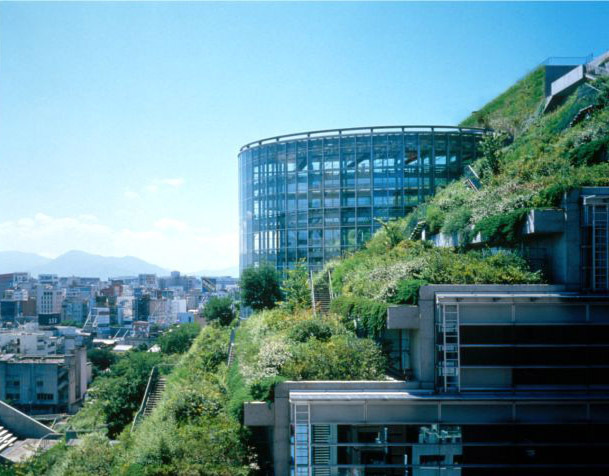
314	198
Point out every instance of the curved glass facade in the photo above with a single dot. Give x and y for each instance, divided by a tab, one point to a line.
315	195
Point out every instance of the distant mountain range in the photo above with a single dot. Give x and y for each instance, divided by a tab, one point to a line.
79	263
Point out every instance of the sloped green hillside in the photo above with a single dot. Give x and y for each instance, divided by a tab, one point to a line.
532	168
512	110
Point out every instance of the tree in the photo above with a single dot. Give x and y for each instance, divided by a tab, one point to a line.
101	359
178	339
260	287
120	390
219	309
296	287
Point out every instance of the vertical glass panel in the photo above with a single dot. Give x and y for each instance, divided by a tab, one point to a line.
301	156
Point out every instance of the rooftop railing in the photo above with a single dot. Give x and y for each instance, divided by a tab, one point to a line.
349	131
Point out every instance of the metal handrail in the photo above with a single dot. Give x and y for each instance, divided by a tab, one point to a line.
153	374
231	343
367	130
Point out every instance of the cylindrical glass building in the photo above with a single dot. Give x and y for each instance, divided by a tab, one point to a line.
316	194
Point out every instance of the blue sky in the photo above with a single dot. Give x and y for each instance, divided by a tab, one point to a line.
120	123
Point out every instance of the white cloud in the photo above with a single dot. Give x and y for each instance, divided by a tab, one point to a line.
168	242
154	186
170	224
173	182
131	195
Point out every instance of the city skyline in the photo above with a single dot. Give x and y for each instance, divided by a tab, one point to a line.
120	124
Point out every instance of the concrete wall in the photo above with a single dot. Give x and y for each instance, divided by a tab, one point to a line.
22	425
552	74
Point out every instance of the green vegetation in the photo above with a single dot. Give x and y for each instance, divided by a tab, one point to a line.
101	359
278	344
512	110
219	309
117	394
296	288
260	287
196	428
546	158
177	339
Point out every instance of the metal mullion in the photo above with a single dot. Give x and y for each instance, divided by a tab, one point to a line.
355	187
285	206
420	166
432	163
322	171
307	207
340	191
371	162
401	171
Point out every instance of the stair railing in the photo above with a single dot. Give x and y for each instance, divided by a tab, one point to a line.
312	293
154	373
332	296
231	343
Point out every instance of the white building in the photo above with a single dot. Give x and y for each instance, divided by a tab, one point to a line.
48	299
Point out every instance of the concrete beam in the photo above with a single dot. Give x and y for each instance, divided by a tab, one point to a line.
403	317
540	221
258	414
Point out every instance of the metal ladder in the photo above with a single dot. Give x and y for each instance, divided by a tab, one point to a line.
600	247
450	364
302	439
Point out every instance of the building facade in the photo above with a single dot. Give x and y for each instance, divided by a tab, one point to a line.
44	384
314	195
499	379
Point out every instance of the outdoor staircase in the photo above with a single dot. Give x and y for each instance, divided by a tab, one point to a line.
322	298
155	396
7	439
231	349
321	295
418	230
471	179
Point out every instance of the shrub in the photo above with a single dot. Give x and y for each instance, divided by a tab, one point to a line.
408	291
311	328
260	287
193	402
343	357
264	389
94	456
177	339
101	359
434	218
296	287
502	229
457	220
220	310
370	316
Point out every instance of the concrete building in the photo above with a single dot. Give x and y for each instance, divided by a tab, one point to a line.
74	309
12	280
49	299
44	384
27	342
497	379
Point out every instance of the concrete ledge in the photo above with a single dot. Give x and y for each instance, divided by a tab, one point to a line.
544	221
403	317
258	414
